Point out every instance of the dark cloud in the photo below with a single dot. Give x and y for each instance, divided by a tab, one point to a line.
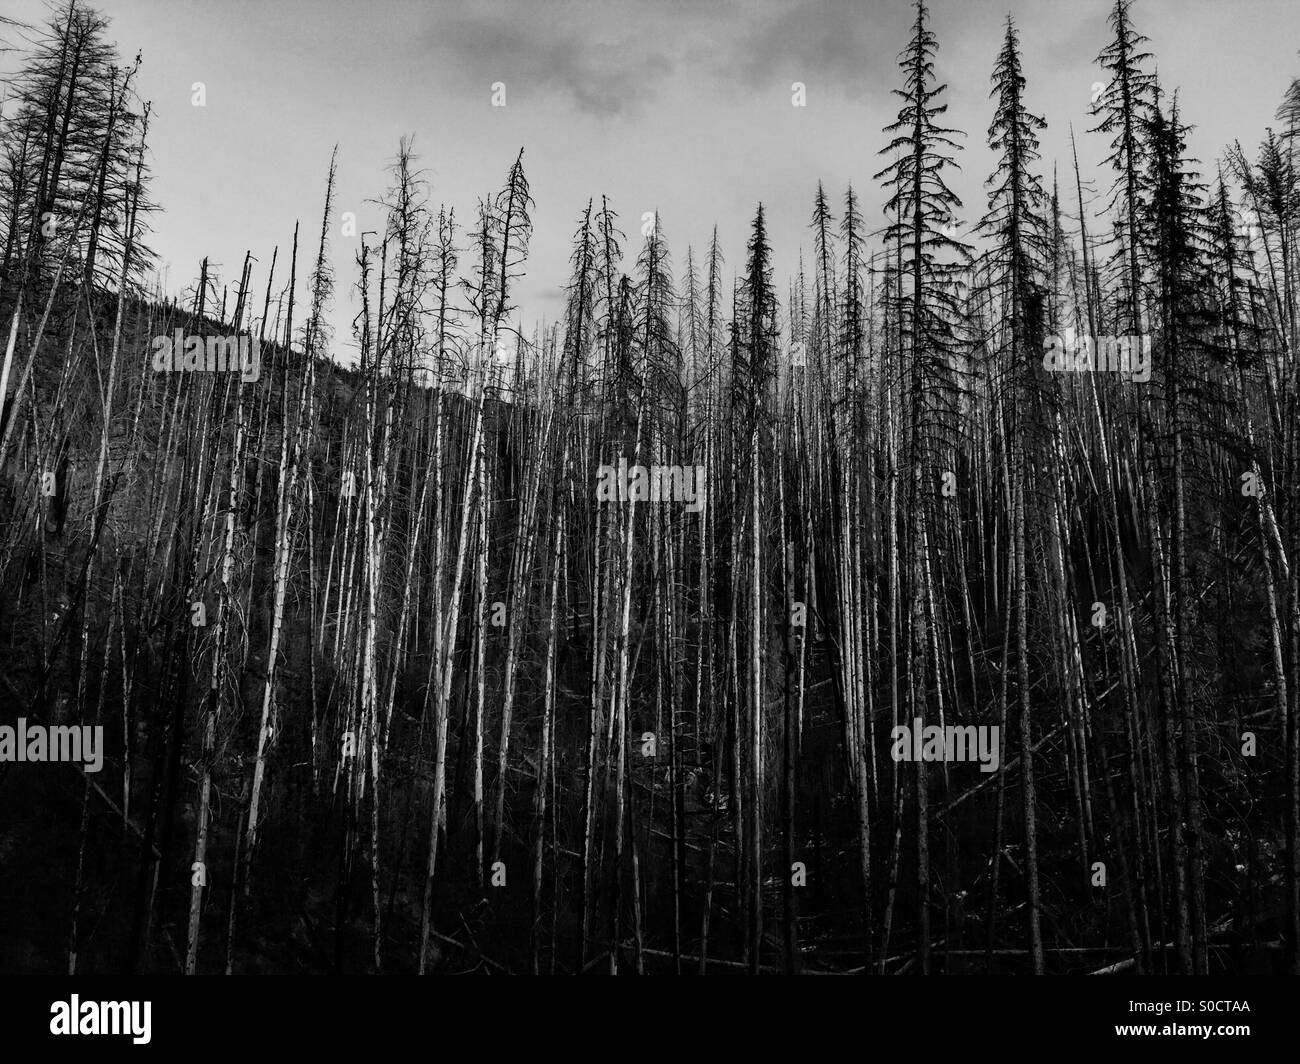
840	45
613	59
616	77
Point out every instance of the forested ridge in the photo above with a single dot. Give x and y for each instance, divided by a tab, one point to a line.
580	646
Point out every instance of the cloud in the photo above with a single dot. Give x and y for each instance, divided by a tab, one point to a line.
606	78
1073	45
837	44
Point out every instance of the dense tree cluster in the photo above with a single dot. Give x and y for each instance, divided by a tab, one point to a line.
388	683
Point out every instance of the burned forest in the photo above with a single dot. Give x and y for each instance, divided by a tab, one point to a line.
918	596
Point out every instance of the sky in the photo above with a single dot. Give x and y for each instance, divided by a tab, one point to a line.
683	108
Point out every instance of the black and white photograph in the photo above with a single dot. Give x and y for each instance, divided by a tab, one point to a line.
647	487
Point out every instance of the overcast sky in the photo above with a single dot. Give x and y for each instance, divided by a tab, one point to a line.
681	107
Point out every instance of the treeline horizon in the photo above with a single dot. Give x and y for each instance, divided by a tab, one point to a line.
393	680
